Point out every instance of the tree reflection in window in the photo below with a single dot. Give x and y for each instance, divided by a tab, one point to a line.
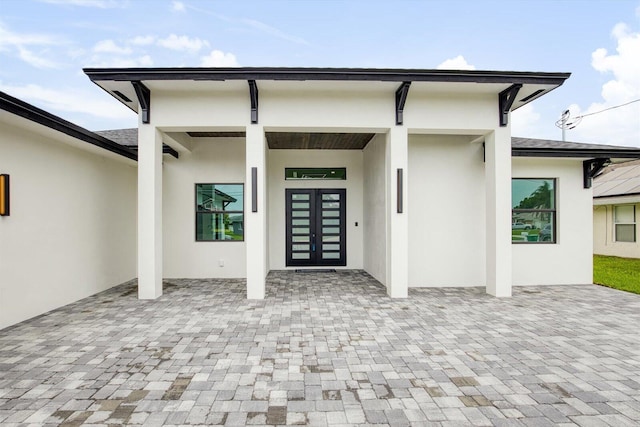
533	217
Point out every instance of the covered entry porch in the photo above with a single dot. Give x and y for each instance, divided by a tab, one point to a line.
257	102
377	211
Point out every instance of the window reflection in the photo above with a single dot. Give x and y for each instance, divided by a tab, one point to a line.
533	217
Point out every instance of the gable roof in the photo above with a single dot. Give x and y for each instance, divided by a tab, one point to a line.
622	179
22	109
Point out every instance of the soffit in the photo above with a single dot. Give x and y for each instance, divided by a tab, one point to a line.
281	80
317	141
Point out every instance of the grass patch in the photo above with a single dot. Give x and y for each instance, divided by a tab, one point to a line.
617	273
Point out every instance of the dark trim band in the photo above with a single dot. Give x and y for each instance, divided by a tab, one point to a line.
578	152
346	74
29	112
616	195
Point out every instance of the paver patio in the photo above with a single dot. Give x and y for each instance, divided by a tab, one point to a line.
327	349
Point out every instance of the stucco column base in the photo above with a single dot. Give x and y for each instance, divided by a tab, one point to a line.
149	212
397	223
256	222
498	212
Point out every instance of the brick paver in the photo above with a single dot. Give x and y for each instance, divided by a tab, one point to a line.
327	349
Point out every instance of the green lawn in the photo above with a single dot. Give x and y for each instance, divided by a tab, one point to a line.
618	273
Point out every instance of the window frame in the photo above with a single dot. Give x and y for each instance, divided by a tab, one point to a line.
634	223
553	212
195	222
342	170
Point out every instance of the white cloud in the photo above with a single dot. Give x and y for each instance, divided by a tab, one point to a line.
109	46
120	62
261	26
619	126
101	4
218	58
10	39
18	42
34	60
457	63
68	101
175	42
525	121
178	6
142	40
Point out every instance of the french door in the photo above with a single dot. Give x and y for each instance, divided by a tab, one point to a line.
316	229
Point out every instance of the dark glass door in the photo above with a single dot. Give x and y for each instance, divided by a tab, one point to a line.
316	229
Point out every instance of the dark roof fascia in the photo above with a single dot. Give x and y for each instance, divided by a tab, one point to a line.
610	196
331	74
567	152
35	114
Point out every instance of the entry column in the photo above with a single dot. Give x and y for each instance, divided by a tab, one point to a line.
149	212
498	212
255	220
397	209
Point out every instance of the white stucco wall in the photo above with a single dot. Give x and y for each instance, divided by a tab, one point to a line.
215	161
72	229
468	110
281	159
375	208
604	234
447	216
570	259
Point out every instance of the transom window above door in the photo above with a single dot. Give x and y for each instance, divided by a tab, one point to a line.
315	173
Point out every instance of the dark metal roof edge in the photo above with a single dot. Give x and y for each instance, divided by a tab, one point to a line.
616	195
577	152
37	115
348	74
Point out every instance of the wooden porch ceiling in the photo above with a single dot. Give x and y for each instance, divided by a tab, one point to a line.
301	140
318	141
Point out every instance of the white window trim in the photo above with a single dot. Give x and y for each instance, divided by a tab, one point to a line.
634	223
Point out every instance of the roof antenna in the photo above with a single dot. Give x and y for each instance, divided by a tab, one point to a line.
566	122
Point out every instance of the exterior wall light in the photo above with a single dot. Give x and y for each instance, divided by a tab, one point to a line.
4	195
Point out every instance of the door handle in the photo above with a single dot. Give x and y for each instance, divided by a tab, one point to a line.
313	242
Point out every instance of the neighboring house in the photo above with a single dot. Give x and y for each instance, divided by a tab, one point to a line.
616	206
70	231
406	174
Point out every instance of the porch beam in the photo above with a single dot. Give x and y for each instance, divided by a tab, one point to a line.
166	149
591	169
144	99
401	98
505	101
253	95
180	141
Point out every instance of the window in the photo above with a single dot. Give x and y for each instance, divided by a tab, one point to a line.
624	219
219	212
315	173
533	215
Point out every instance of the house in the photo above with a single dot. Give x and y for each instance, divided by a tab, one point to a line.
616	206
233	172
425	173
70	230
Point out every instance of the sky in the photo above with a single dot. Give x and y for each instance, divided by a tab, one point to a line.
44	44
